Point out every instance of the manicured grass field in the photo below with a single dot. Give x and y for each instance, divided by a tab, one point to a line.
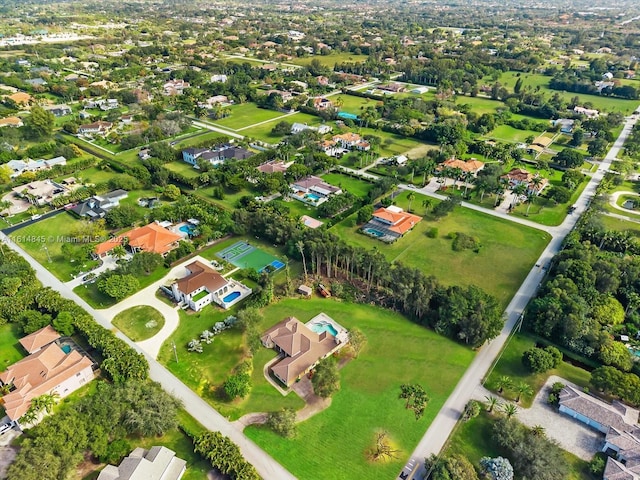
335	441
507	133
246	114
392	144
612	223
43	240
263	132
140	322
93	175
182	168
331	60
10	350
353	185
507	252
481	105
510	365
353	104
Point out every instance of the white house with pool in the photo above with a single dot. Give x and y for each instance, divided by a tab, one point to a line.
203	285
302	346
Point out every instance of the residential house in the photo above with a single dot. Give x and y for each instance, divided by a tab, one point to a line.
300	347
216	155
301	127
96	128
59	110
144	154
589	112
36	82
104	104
473	165
617	421
219	78
49	368
21	98
313	190
157	463
97	206
392	87
331	148
542	141
607	76
150	238
274	167
390	223
211	101
11	122
518	176
352	141
40	192
286	96
175	87
203	285
564	124
322	80
321	103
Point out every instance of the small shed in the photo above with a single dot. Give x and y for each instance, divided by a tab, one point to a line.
304	290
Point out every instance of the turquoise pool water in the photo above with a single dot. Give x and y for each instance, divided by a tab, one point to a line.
66	349
635	351
188	229
374	232
313	196
231	297
348	116
324	327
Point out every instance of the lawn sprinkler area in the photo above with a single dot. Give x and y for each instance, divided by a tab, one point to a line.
244	255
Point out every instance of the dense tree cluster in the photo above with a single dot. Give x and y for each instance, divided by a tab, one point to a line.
225	456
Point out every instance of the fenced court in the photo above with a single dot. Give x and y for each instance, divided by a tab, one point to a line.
244	255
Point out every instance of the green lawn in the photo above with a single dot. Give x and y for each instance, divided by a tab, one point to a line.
183	168
353	185
507	253
10	350
507	133
140	322
246	114
43	240
330	60
510	365
263	132
89	291
604	104
353	104
474	439
612	223
397	352
481	105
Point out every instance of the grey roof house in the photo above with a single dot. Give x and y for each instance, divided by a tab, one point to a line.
157	463
98	205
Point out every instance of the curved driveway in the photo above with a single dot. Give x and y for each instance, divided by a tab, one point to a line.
266	466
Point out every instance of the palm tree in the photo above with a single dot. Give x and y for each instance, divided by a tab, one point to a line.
300	246
411	197
427	203
509	409
6	205
523	389
504	382
491	402
538	431
530	197
468	179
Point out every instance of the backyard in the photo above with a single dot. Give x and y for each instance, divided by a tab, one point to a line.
358	187
397	352
10	350
506	255
246	114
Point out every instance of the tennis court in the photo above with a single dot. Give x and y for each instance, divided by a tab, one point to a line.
244	255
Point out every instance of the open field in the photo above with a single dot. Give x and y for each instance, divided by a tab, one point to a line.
507	133
43	240
507	251
353	104
604	104
183	168
139	323
612	223
353	185
397	352
246	114
330	60
481	105
263	132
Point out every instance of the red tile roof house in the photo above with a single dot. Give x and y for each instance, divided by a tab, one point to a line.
352	140
96	128
518	175
150	238
301	347
202	285
390	223
47	369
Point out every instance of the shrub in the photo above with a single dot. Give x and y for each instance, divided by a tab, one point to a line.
462	241
432	232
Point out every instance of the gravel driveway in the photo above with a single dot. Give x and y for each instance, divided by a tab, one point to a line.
573	436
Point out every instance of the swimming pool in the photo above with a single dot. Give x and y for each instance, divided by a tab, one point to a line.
186	228
373	232
66	349
347	116
231	297
312	196
324	327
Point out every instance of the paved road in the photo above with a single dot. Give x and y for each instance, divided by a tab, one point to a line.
266	466
444	423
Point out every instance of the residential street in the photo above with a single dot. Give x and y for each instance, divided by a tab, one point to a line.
444	423
266	466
